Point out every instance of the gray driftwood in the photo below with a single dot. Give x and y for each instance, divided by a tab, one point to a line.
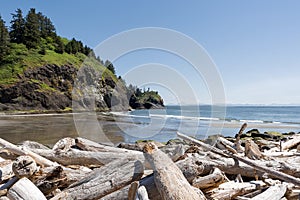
24	189
212	180
104	180
274	173
169	180
275	192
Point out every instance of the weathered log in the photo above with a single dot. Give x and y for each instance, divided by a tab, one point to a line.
128	146
104	180
275	192
24	189
5	170
142	194
64	144
23	151
238	146
277	174
33	145
132	190
224	144
230	190
211	180
291	143
121	194
168	178
252	150
88	145
24	166
86	158
174	151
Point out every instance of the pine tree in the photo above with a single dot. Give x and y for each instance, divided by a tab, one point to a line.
110	66
4	40
59	45
32	34
17	27
46	26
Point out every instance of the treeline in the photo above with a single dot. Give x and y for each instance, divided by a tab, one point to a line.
36	31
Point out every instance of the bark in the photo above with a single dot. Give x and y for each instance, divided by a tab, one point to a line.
239	148
104	180
168	178
24	189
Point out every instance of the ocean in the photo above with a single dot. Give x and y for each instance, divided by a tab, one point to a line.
204	120
157	124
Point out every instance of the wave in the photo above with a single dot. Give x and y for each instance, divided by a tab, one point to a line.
204	119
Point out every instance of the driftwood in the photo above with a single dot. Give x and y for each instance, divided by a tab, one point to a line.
239	148
291	143
277	174
24	166
230	190
23	151
24	189
86	158
275	192
142	194
105	180
214	179
252	150
168	177
6	170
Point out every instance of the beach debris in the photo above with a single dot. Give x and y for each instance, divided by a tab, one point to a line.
229	168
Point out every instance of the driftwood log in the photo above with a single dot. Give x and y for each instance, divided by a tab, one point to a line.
168	178
274	173
104	180
275	192
24	189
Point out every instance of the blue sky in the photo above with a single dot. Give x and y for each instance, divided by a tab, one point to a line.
254	44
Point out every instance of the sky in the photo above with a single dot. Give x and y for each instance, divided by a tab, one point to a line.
255	45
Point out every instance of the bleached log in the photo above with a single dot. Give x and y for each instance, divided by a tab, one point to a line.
23	151
104	180
142	194
6	170
24	189
291	143
230	190
121	194
24	166
224	144
63	144
277	174
275	192
33	145
88	145
168	178
211	180
174	151
86	158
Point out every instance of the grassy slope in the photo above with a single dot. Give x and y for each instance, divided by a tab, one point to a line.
21	59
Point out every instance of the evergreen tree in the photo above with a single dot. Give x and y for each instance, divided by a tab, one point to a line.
46	27
32	34
17	27
59	45
110	66
4	40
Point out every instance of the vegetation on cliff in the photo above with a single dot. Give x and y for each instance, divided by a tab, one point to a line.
38	69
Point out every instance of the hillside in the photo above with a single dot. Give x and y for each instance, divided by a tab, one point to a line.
41	71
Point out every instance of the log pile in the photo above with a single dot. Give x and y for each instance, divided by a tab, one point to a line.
76	168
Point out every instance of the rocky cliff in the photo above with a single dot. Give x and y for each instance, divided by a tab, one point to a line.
62	88
50	87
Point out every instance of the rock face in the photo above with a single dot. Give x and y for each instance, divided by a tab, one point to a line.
50	87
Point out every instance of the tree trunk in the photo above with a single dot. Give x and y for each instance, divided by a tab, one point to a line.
24	189
275	192
104	180
169	180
